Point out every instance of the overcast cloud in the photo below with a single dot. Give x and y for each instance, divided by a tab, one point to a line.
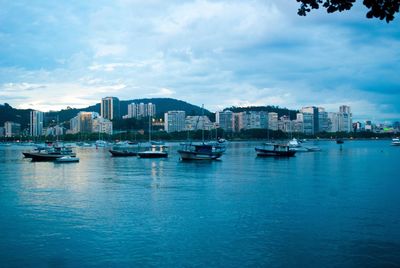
55	54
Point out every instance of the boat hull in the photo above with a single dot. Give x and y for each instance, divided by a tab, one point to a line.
116	153
46	157
153	155
187	155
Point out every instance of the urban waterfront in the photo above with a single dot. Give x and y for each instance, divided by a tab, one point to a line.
339	207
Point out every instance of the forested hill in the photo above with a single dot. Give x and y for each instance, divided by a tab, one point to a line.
8	113
268	108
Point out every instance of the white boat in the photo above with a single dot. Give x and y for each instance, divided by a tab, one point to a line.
155	149
295	145
101	143
396	142
67	159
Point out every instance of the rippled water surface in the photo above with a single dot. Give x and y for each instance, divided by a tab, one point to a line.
333	208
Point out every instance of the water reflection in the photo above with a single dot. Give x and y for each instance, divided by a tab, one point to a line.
329	208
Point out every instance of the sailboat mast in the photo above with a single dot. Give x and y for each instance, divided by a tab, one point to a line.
149	128
202	127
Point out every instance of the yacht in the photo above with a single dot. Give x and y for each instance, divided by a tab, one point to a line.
202	151
295	145
50	154
124	149
154	151
273	149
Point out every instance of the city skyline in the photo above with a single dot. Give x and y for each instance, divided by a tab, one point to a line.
217	53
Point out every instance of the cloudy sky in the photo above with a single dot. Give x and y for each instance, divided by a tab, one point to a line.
55	54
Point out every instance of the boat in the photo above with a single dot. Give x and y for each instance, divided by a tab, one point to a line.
50	154
339	141
272	149
396	142
122	153
67	159
201	151
124	149
155	151
101	143
295	145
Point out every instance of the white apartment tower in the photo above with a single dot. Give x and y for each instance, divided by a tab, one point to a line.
110	108
174	121
273	121
225	120
36	123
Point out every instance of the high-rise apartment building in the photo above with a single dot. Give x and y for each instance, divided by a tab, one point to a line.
141	110
322	120
36	123
12	129
345	121
225	120
252	120
110	108
313	112
174	121
333	122
273	121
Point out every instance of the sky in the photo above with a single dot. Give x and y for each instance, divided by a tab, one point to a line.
55	54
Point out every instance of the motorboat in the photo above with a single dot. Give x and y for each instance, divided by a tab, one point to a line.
396	142
201	151
295	145
67	159
339	141
154	151
124	149
50	154
101	143
273	149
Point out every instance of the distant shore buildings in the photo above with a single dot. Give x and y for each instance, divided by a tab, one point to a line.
309	120
90	122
